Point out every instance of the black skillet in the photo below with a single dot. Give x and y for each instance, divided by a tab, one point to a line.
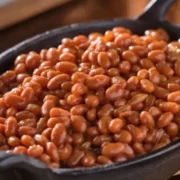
158	165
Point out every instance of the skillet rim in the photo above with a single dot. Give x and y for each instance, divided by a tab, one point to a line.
17	49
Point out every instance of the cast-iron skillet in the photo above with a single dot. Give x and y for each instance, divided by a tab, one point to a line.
158	165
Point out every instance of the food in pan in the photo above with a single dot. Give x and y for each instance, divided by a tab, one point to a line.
93	100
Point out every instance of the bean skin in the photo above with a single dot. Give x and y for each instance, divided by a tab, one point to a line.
41	125
52	151
97	81
160	92
79	109
10	127
103	160
172	129
146	63
2	128
65	152
173	87
88	160
130	56
164	119
106	110
53	121
92	101
139	50
147	85
177	68
123	40
112	149
45	158
13	141
78	77
56	81
41	140
115	125
165	69
103	60
20	150
58	134
47	133
174	97
137	134
154	75
26	130
137	99
155	111
27	140
13	100
103	124
66	67
56	112
28	94
147	119
128	151
35	151
114	92
46	107
79	123
75	158
169	107
123	137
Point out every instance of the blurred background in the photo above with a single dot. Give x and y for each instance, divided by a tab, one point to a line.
21	19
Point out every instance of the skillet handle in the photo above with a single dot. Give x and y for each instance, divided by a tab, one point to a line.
156	10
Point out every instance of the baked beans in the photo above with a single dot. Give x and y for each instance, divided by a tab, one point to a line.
93	100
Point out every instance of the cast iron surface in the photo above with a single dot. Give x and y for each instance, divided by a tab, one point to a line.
159	165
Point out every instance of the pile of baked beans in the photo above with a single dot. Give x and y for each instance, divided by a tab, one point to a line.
93	100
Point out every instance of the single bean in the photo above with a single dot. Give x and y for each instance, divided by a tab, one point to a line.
46	107
41	125
20	150
174	97
115	125
114	92
123	137
41	140
35	151
26	130
10	126
13	141
75	158
13	100
169	107
65	152
147	119
103	124
112	149
58	134
79	123
137	99
103	160
165	119
79	109
52	151
57	112
27	140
